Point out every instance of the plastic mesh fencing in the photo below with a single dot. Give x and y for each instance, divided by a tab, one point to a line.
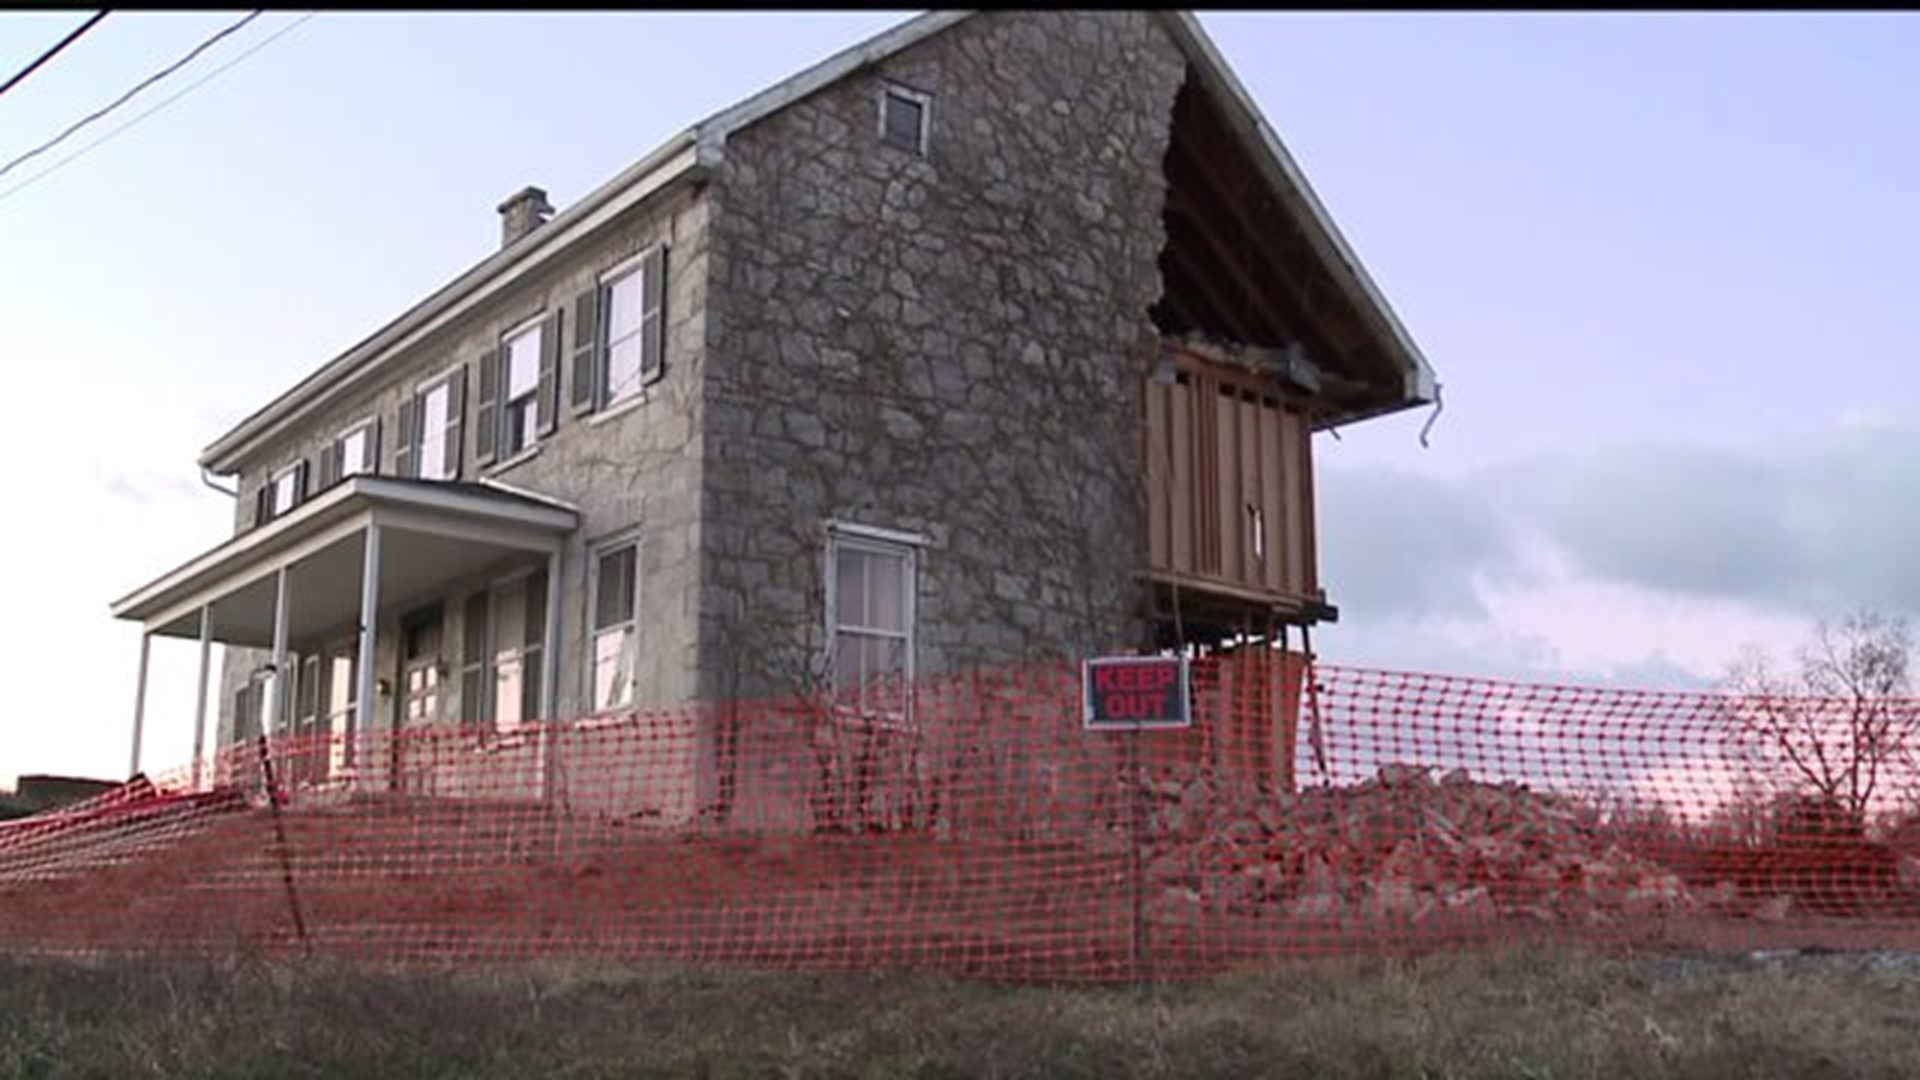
975	825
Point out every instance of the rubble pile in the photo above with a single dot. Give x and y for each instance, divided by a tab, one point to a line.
1401	847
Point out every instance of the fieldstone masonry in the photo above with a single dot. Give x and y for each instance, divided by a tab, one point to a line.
949	343
635	467
946	344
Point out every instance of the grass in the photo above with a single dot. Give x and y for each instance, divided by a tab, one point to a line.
1531	1015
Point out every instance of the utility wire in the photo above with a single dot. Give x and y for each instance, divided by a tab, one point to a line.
55	51
117	102
161	104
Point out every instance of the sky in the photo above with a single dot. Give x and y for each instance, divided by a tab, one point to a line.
1661	263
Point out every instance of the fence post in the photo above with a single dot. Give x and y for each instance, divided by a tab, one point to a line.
280	839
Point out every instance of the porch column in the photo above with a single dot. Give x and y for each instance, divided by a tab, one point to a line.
549	676
200	700
363	669
550	644
140	701
280	681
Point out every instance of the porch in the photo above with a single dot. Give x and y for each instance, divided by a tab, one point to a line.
344	594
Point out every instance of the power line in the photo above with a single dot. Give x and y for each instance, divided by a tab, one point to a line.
117	102
161	104
55	51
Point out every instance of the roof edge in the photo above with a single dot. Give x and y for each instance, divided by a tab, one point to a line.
827	72
673	160
1349	272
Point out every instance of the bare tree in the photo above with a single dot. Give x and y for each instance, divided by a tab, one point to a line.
1835	733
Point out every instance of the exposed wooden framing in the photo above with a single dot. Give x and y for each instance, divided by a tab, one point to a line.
1193	273
1227	460
1209	174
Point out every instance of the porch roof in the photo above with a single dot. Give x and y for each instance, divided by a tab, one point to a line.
432	531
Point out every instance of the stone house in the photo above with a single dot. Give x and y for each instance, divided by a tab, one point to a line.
999	337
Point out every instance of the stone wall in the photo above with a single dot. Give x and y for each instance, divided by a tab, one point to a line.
948	344
637	465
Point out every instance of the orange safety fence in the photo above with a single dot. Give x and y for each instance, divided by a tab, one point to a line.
977	825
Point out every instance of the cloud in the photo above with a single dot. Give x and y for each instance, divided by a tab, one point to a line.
1395	543
148	487
1806	527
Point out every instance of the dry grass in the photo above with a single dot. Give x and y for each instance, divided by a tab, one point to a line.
1516	1015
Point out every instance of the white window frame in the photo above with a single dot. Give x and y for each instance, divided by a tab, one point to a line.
363	428
504	450
275	508
917	97
597	551
634	268
444	382
492	728
886	542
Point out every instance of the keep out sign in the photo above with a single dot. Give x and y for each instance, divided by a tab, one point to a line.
1128	693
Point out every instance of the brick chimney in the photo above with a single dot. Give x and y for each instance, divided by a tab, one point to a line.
522	213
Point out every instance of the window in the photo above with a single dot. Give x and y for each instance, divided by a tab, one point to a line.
871	595
520	410
339	692
504	653
474	707
616	628
519	390
429	422
286	490
623	335
354	452
283	491
619	332
434	417
903	118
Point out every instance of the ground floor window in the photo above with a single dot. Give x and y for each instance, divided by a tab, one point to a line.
504	653
870	594
615	648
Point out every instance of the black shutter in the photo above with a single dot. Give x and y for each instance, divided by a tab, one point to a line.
329	466
548	394
486	407
586	349
372	461
653	314
405	462
456	421
263	503
300	488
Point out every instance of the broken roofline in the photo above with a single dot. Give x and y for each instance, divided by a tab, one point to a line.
696	153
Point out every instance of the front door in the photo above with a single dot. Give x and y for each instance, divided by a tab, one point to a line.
419	701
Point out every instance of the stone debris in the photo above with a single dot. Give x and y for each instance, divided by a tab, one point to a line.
1401	847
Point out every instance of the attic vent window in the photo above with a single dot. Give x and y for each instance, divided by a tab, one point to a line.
903	118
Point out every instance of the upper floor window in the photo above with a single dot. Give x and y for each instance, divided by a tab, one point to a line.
903	118
520	409
352	452
283	491
518	400
430	428
619	332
